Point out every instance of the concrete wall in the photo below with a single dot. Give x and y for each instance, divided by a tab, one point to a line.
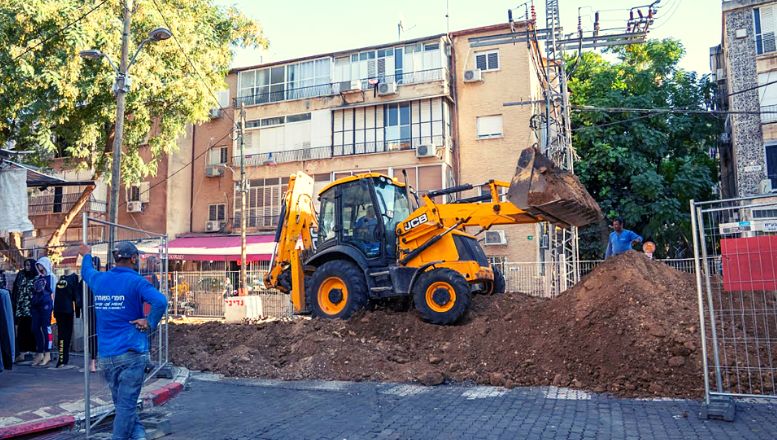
496	158
746	133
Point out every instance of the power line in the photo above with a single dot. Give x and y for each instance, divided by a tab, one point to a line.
613	123
191	63
752	88
59	31
190	163
669	110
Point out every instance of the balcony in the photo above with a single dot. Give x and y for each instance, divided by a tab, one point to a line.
254	221
49	204
768	114
318	153
334	88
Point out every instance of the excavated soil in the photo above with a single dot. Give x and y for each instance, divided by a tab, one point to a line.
629	328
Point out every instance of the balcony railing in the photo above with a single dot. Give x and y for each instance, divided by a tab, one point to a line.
48	204
315	153
335	88
768	114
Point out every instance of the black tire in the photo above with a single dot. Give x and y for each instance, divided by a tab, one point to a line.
439	306
334	276
500	284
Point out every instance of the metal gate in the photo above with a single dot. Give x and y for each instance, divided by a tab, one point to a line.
735	257
154	267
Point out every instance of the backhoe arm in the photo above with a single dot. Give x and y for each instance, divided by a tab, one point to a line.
293	239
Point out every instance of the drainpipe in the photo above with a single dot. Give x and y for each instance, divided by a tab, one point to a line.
191	183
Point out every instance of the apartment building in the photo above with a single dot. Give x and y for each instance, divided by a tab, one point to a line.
745	66
429	110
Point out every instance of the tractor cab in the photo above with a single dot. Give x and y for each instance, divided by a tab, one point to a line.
362	212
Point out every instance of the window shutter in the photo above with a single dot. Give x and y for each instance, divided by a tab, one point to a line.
212	213
489	126
145	193
493	60
480	62
768	27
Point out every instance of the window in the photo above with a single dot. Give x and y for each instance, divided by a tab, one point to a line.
394	208
764	19
397	119
489	126
57	199
487	60
138	192
217	212
767	95
264	202
218	156
359	218
771	164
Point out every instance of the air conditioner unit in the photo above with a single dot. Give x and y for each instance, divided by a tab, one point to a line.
215	225
474	75
426	150
215	113
214	171
387	88
495	238
765	186
135	206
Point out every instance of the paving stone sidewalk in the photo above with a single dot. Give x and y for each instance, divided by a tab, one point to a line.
217	408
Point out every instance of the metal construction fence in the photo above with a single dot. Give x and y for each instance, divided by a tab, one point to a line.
534	278
153	266
735	248
203	293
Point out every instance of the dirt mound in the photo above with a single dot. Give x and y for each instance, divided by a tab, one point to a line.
628	328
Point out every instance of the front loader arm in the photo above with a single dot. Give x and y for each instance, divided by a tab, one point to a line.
292	239
484	211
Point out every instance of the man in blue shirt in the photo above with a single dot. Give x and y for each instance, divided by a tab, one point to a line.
621	240
122	331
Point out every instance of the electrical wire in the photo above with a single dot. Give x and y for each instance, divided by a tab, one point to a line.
669	110
613	123
752	88
191	63
59	31
190	163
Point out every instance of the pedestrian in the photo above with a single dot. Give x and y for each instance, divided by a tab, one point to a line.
119	296
67	302
621	240
42	305
21	299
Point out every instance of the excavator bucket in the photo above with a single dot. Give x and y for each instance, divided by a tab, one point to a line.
545	190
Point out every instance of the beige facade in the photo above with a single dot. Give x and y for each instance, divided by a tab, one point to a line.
324	116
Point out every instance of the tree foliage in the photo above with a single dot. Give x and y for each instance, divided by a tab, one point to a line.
52	100
642	166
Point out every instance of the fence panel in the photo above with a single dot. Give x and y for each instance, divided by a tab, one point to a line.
153	266
735	245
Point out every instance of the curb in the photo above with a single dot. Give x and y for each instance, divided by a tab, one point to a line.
37	426
148	400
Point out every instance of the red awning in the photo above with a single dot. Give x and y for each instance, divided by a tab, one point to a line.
221	248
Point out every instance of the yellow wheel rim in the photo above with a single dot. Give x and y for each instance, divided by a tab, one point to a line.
332	296
440	297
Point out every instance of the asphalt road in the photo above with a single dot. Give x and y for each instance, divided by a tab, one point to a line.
215	408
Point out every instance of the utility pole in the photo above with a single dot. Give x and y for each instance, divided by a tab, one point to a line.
120	89
555	128
243	196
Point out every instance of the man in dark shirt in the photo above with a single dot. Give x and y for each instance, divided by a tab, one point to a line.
67	302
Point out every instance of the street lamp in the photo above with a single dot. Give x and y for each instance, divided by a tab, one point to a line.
120	89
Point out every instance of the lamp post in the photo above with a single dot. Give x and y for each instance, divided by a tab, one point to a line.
120	88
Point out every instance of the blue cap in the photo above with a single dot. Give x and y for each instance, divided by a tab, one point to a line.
125	249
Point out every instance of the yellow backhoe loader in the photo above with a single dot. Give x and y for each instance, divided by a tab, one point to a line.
371	239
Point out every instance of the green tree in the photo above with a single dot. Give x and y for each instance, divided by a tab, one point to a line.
53	101
643	166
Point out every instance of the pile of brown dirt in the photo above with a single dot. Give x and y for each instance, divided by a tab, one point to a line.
628	328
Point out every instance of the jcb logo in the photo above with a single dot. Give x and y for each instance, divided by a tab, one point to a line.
421	219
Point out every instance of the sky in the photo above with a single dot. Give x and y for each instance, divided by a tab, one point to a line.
297	28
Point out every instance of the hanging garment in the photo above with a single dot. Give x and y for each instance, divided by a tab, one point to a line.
13	200
7	349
